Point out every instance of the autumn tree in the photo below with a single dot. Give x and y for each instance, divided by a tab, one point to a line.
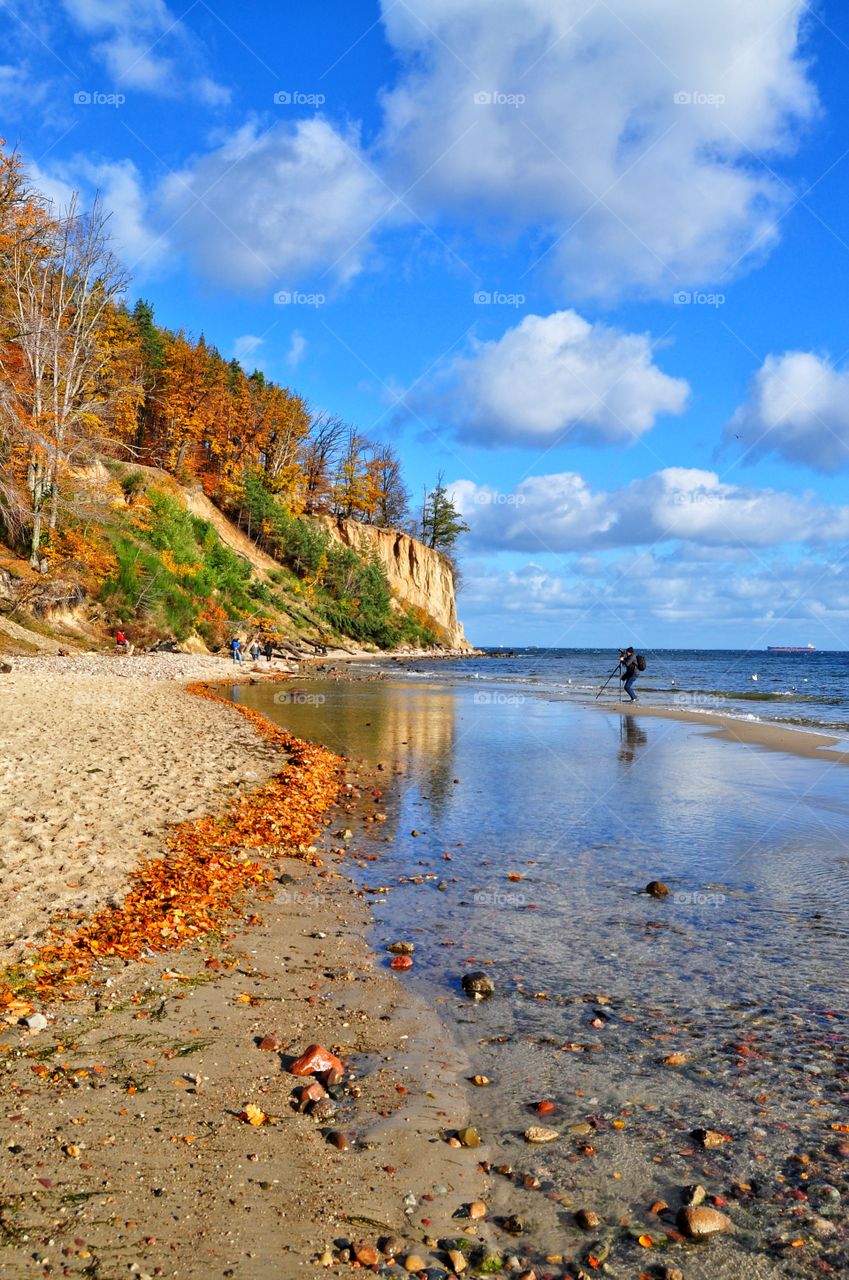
392	498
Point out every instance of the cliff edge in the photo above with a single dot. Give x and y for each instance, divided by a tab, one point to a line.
419	577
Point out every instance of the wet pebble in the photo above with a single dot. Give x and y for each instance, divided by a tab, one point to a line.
469	1137
538	1134
657	889
693	1194
697	1221
413	1262
338	1140
401	948
479	985
588	1219
392	1246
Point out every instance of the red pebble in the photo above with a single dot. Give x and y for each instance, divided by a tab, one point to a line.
544	1108
401	962
315	1059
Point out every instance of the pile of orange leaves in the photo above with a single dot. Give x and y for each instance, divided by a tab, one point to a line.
198	885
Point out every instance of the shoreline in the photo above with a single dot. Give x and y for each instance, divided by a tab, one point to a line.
114	1110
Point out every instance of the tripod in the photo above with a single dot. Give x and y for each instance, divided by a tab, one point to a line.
614	672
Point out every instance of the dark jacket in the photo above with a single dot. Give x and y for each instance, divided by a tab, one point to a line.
630	668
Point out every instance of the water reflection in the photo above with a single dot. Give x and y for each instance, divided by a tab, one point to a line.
631	736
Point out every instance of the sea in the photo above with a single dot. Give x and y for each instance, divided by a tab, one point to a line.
524	818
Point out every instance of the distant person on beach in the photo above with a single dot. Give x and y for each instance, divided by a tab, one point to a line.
122	644
269	650
236	649
255	651
628	662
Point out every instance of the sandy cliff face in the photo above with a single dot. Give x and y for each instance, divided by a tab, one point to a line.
419	577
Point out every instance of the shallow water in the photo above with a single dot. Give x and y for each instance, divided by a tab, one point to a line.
743	967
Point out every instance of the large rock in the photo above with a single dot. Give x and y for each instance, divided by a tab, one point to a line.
698	1221
478	985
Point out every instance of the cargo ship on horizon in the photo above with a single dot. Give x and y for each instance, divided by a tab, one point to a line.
791	648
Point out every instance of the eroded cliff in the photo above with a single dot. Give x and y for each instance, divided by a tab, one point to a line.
419	577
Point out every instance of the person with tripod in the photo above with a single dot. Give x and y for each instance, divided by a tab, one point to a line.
630	671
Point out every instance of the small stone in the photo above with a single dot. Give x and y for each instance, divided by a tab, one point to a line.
581	1128
453	1142
469	1137
392	1246
458	1262
657	889
544	1108
588	1219
323	1110
674	1060
672	1273
658	1206
477	1209
694	1194
478	985
36	1022
480	1081
326	1259
366	1254
710	1139
696	1222
271	1042
531	1182
513	1225
827	1199
338	1140
821	1227
537	1133
413	1262
401	948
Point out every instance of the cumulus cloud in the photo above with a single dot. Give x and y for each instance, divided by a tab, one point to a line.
266	208
562	513
623	132
132	38
553	376
798	408
135	239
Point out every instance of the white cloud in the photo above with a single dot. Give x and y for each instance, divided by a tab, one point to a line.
269	208
298	346
632	188
245	347
132	39
135	239
553	376
562	513
798	408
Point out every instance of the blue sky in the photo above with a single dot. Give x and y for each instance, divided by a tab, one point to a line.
589	258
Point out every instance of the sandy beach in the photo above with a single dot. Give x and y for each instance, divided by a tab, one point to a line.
124	1117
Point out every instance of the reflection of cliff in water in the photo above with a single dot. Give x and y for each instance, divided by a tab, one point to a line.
370	722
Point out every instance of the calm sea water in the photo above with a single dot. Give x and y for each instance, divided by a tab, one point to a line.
539	821
806	689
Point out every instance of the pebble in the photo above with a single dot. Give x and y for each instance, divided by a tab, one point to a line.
271	1042
366	1254
694	1194
672	1273
478	985
338	1140
477	1209
537	1133
392	1246
401	948
323	1110
480	1081
827	1199
513	1225
469	1137
588	1219
581	1128
657	889
710	1139
458	1262
36	1022
326	1259
413	1262
696	1221
674	1060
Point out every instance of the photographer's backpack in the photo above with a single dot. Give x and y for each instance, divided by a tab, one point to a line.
641	662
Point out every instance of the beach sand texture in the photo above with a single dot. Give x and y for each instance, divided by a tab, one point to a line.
94	767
